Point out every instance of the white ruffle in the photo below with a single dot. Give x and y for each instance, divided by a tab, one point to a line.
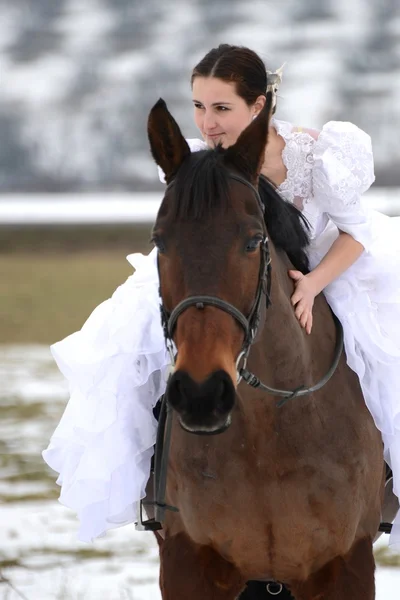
343	163
343	169
115	366
297	158
366	299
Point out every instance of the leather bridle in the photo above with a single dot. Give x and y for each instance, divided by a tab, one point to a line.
251	323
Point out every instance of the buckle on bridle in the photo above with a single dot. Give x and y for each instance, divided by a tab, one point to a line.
243	355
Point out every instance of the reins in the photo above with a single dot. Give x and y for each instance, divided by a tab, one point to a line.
287	395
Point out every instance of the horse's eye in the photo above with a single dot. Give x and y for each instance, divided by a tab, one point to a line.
253	244
157	241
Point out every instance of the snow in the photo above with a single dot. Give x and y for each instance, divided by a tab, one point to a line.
39	537
17	209
71	101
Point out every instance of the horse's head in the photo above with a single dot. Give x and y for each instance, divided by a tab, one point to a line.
212	259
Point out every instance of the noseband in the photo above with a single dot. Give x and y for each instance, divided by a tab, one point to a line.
250	324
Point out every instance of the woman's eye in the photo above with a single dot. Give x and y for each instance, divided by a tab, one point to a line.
253	244
222	108
197	105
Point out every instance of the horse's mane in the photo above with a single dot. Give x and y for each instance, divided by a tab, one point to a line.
288	228
202	187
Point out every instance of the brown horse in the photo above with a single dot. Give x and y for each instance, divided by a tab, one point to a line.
290	494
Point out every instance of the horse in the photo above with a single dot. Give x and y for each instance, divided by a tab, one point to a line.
263	490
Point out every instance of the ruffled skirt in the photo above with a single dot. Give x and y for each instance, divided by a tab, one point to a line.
366	299
117	365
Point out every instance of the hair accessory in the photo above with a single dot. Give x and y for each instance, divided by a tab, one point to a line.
274	79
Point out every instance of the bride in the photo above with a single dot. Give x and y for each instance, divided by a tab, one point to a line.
117	363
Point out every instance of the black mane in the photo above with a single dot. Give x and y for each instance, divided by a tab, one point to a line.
287	227
202	187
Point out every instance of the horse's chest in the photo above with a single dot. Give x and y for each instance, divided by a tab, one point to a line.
270	525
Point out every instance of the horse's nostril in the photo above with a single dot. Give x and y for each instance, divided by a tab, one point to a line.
210	400
176	396
224	396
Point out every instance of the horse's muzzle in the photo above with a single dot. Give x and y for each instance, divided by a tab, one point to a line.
203	408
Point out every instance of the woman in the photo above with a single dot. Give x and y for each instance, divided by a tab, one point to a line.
117	363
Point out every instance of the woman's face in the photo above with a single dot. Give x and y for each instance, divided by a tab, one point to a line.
219	113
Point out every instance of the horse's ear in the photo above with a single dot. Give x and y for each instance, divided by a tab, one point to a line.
168	146
247	154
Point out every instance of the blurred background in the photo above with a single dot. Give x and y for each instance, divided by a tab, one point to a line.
79	191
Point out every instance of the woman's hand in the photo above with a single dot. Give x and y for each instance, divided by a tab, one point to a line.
303	298
344	252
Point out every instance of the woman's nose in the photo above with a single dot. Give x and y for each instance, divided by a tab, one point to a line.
210	122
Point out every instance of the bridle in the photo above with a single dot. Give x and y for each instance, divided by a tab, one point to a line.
249	324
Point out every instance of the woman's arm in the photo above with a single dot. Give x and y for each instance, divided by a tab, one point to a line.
343	253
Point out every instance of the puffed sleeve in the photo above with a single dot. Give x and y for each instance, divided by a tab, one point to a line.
195	145
343	170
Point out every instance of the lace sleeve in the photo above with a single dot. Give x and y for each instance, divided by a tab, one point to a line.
342	171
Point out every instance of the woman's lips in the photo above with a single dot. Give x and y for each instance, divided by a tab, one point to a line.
214	137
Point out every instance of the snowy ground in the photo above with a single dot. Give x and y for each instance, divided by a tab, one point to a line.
123	565
122	208
39	551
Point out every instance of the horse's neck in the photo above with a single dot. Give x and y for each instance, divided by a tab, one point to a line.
285	349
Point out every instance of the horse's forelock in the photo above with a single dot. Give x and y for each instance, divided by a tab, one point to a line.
201	187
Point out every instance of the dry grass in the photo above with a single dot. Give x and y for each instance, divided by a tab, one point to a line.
45	297
385	557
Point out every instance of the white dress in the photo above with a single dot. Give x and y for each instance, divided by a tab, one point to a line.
116	364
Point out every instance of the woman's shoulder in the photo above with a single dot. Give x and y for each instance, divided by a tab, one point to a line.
313	133
333	131
338	143
343	162
342	131
289	131
344	141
